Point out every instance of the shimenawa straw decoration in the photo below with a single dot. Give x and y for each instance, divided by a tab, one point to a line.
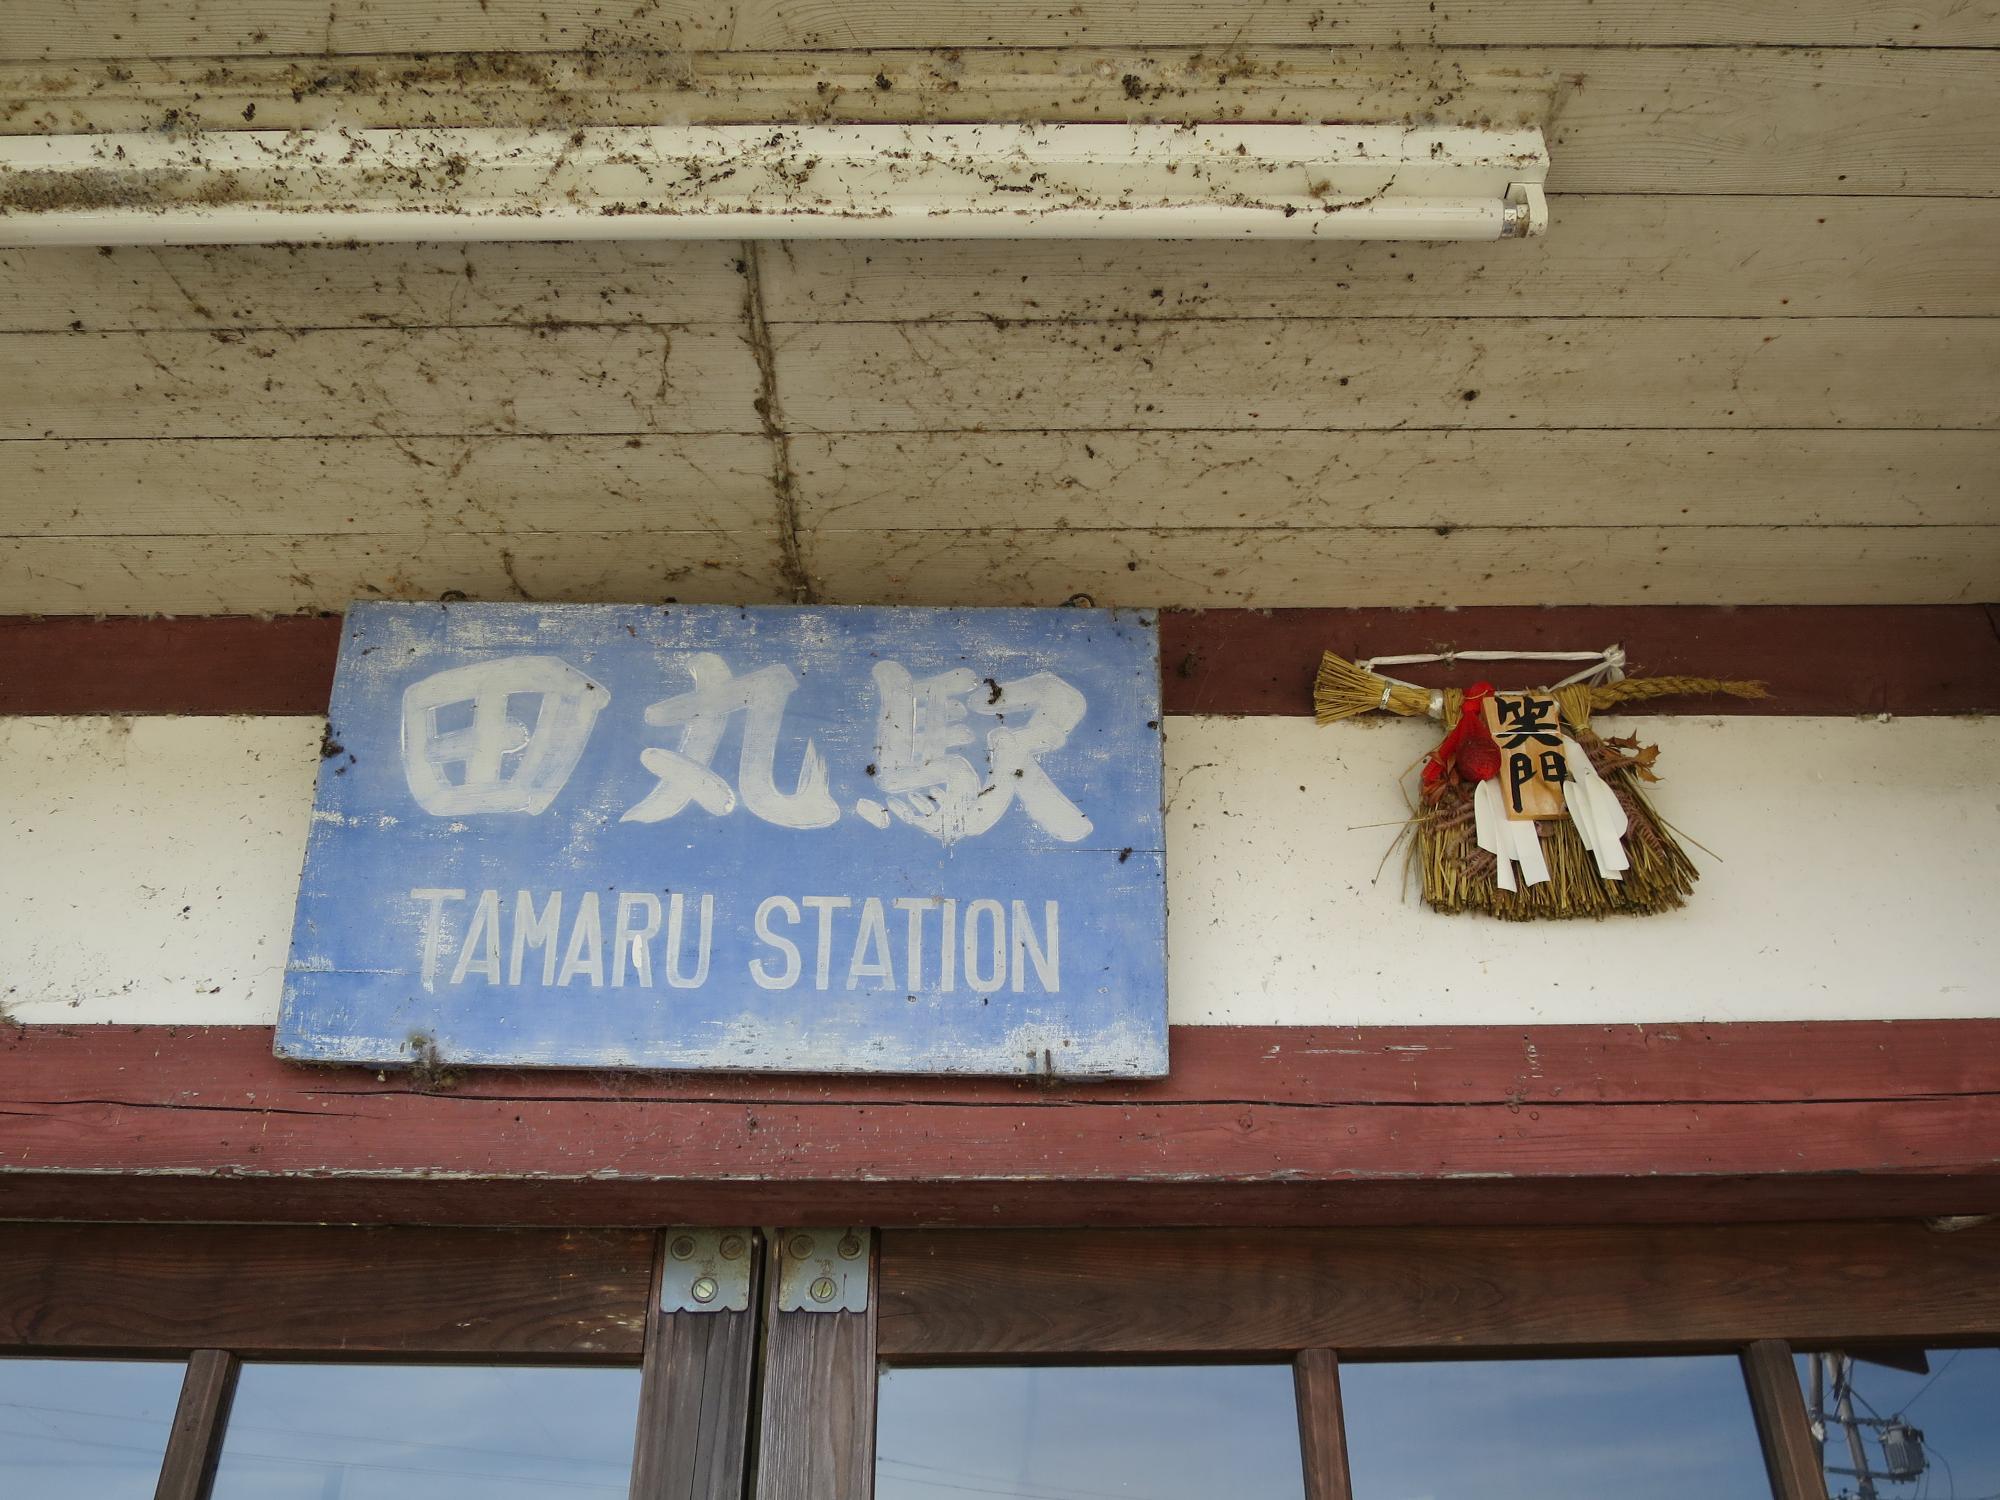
1610	852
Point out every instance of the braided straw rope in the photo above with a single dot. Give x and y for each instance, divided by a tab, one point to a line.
1343	690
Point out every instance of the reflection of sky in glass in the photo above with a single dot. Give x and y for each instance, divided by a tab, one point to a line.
1575	1429
1210	1432
417	1432
84	1427
1956	1407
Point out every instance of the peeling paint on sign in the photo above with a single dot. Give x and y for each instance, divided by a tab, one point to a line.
802	839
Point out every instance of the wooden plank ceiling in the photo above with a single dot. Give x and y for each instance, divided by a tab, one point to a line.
1754	361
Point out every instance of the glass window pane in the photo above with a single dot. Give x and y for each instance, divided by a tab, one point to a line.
96	1427
1552	1429
1927	1429
1157	1432
427	1432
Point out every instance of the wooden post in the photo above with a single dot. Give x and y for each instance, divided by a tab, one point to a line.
1790	1453
816	1422
694	1398
1322	1428
194	1445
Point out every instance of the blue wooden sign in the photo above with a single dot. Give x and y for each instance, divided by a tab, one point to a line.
825	840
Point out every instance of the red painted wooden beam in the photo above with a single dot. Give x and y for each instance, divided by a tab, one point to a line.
1257	1126
1843	659
222	664
1915	659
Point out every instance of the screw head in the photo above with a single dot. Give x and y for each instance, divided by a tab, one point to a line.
704	1289
731	1247
823	1289
682	1247
802	1246
850	1246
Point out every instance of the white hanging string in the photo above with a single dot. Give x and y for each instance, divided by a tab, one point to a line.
1607	665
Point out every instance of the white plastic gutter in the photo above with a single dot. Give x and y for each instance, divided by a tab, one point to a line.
1326	182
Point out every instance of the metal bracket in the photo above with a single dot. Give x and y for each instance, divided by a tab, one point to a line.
824	1270
1526	215
707	1270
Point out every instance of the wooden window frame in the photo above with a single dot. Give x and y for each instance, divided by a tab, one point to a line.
718	1424
220	1295
1318	1296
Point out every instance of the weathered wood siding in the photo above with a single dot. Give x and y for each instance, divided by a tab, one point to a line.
1753	361
48	29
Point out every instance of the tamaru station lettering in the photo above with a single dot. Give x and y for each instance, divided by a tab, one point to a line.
552	939
799	839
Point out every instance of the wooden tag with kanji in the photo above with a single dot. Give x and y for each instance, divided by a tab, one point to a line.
1528	729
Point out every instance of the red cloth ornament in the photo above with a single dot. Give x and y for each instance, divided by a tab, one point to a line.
1469	746
1478	755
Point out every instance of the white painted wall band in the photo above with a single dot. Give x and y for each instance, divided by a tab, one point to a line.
148	868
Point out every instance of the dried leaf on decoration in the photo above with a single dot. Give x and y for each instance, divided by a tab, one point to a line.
1640	762
1524	811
